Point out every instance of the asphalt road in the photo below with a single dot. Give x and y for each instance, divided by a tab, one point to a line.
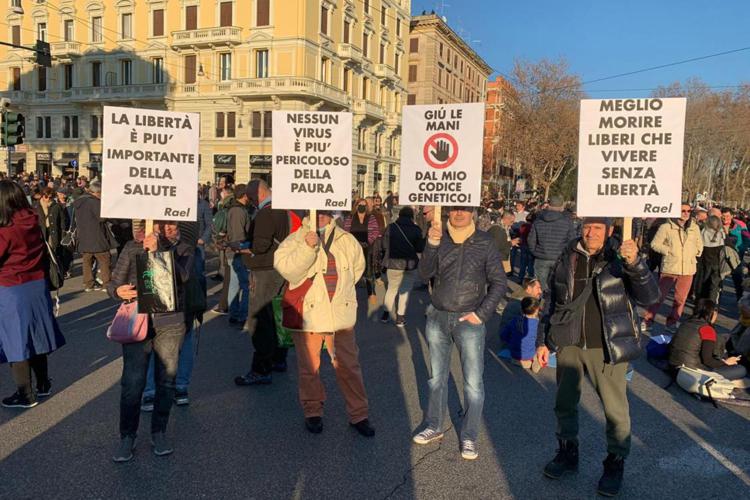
247	443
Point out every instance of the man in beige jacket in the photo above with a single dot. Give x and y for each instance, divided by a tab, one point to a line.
680	243
333	260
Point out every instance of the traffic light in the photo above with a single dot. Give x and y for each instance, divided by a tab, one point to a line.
43	54
12	130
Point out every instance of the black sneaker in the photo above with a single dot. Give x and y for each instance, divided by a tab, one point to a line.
147	404
280	367
611	480
400	320
314	425
253	379
385	317
364	428
44	388
566	460
181	398
217	277
19	400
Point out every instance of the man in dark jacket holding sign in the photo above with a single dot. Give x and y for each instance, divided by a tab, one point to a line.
268	229
592	325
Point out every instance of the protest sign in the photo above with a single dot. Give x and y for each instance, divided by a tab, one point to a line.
312	160
630	157
441	154
150	164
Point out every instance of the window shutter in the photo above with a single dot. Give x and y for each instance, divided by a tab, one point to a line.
190	69
414	45
191	17
413	73
267	124
16	34
256	124
347	26
159	22
225	14
219	124
263	17
324	20
16	78
230	123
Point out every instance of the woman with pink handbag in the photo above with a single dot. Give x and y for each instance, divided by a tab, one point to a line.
160	333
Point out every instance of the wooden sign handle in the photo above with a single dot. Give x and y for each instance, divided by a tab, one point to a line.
627	229
149	227
314	220
438	215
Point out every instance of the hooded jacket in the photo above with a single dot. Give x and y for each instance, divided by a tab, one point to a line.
551	232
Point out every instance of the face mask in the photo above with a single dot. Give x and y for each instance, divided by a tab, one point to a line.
361	209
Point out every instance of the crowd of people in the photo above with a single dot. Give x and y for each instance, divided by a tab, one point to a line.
561	285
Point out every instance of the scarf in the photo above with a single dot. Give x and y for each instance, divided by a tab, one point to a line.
459	235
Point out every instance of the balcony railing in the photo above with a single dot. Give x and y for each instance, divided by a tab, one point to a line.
385	72
207	36
65	48
363	107
267	86
154	91
350	53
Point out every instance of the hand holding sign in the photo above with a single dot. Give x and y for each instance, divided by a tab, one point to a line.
629	252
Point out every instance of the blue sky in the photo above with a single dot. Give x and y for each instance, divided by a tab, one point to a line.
600	38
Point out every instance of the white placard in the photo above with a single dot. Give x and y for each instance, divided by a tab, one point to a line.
441	154
630	157
150	164
312	160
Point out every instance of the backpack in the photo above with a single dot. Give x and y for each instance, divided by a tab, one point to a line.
220	220
705	384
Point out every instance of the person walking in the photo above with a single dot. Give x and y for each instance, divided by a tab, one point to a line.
708	274
402	242
166	332
329	262
550	233
51	217
238	229
739	234
680	244
269	227
590	322
468	284
93	237
29	331
363	225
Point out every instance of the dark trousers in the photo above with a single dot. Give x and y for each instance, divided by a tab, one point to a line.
225	272
22	372
707	284
610	384
264	286
103	261
165	343
737	278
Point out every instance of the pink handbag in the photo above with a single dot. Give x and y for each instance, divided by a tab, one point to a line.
128	326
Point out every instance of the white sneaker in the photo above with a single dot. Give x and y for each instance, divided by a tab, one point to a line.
427	436
469	450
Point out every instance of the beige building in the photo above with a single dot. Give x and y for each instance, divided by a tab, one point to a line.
231	61
442	68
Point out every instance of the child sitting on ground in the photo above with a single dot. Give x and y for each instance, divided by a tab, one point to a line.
519	334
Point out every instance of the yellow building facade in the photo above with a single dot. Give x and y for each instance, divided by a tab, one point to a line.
233	61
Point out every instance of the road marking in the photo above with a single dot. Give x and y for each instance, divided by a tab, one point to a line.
29	425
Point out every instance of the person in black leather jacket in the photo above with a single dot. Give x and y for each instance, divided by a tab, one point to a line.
592	323
469	282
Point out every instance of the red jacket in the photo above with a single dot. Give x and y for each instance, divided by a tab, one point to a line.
21	250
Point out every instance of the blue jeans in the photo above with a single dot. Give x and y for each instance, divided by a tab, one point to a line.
526	267
184	366
442	331
239	290
543	269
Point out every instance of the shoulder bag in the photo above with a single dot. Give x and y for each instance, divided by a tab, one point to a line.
128	326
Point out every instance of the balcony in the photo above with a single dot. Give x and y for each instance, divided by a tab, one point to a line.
150	91
350	53
207	37
369	109
65	49
385	72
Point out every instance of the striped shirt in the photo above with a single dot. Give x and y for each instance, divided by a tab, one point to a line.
331	277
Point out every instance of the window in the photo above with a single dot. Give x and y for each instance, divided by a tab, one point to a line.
225	66
16	77
381	60
42	78
41	32
347	28
414	45
412	73
191	17
225	14
68	34
262	124
68	76
324	20
261	63
263	15
96	126
70	127
231	119
220	124
367	6
96	29
126	29
346	84
126	72
158	22
324	70
39	127
411	99
383	96
257	124
189	69
397	63
362	139
267	124
47	127
157	70
383	16
365	43
441	50
365	88
96	74
16	34
398	27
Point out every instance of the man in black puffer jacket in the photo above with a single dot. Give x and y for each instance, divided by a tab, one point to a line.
469	283
592	324
551	232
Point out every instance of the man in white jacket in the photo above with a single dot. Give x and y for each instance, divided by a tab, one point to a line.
333	260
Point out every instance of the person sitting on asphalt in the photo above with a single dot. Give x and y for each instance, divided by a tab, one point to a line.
694	344
520	334
330	262
469	283
590	321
